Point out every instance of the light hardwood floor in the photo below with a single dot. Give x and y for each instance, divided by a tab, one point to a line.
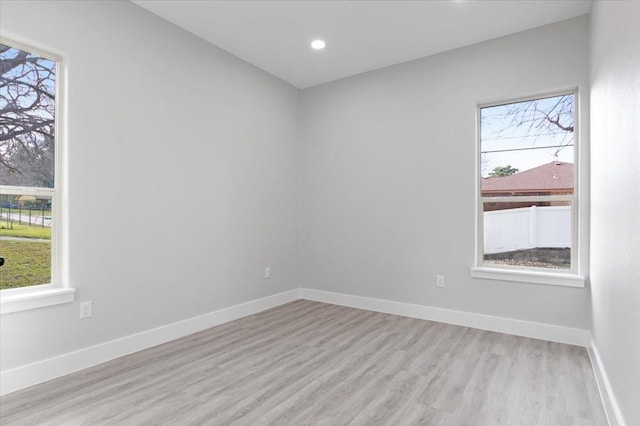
309	363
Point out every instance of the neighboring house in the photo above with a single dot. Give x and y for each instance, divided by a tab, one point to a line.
554	178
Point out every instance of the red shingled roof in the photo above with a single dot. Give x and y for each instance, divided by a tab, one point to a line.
555	176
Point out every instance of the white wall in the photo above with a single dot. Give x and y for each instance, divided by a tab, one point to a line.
384	176
388	175
159	120
615	179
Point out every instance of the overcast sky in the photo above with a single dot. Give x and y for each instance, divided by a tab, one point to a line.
520	135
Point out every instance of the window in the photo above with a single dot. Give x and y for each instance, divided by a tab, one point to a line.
29	181
527	218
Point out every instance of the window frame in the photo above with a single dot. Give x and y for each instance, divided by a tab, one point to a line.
57	291
570	277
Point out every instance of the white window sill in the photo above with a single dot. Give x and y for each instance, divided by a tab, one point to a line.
22	299
535	277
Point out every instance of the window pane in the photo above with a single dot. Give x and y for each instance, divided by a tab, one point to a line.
527	147
27	118
25	240
534	235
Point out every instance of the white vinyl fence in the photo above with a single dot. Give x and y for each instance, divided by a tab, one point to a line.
527	228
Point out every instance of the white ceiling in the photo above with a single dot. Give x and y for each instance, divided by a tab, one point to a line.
361	35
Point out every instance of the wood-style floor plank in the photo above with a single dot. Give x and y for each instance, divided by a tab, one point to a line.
309	363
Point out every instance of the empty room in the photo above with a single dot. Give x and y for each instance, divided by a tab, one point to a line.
320	212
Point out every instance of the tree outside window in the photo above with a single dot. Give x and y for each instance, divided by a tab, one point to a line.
28	187
527	184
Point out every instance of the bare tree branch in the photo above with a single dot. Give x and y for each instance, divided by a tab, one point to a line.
27	118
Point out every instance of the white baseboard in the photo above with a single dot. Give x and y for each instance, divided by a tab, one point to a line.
41	371
553	333
611	408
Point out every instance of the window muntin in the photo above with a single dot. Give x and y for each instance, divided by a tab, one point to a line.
527	184
29	191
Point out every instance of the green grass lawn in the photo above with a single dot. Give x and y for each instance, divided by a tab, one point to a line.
26	263
24	231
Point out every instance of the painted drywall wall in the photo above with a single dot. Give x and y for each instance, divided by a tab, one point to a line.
388	175
615	215
181	176
158	120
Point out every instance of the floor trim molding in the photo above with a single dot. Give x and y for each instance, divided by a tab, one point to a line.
609	402
51	368
41	371
554	333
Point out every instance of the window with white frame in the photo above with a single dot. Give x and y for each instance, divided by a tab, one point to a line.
527	205
29	186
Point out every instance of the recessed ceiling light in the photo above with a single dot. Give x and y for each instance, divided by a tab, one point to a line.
318	44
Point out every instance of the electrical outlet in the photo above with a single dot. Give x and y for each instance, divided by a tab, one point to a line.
439	280
267	272
86	309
